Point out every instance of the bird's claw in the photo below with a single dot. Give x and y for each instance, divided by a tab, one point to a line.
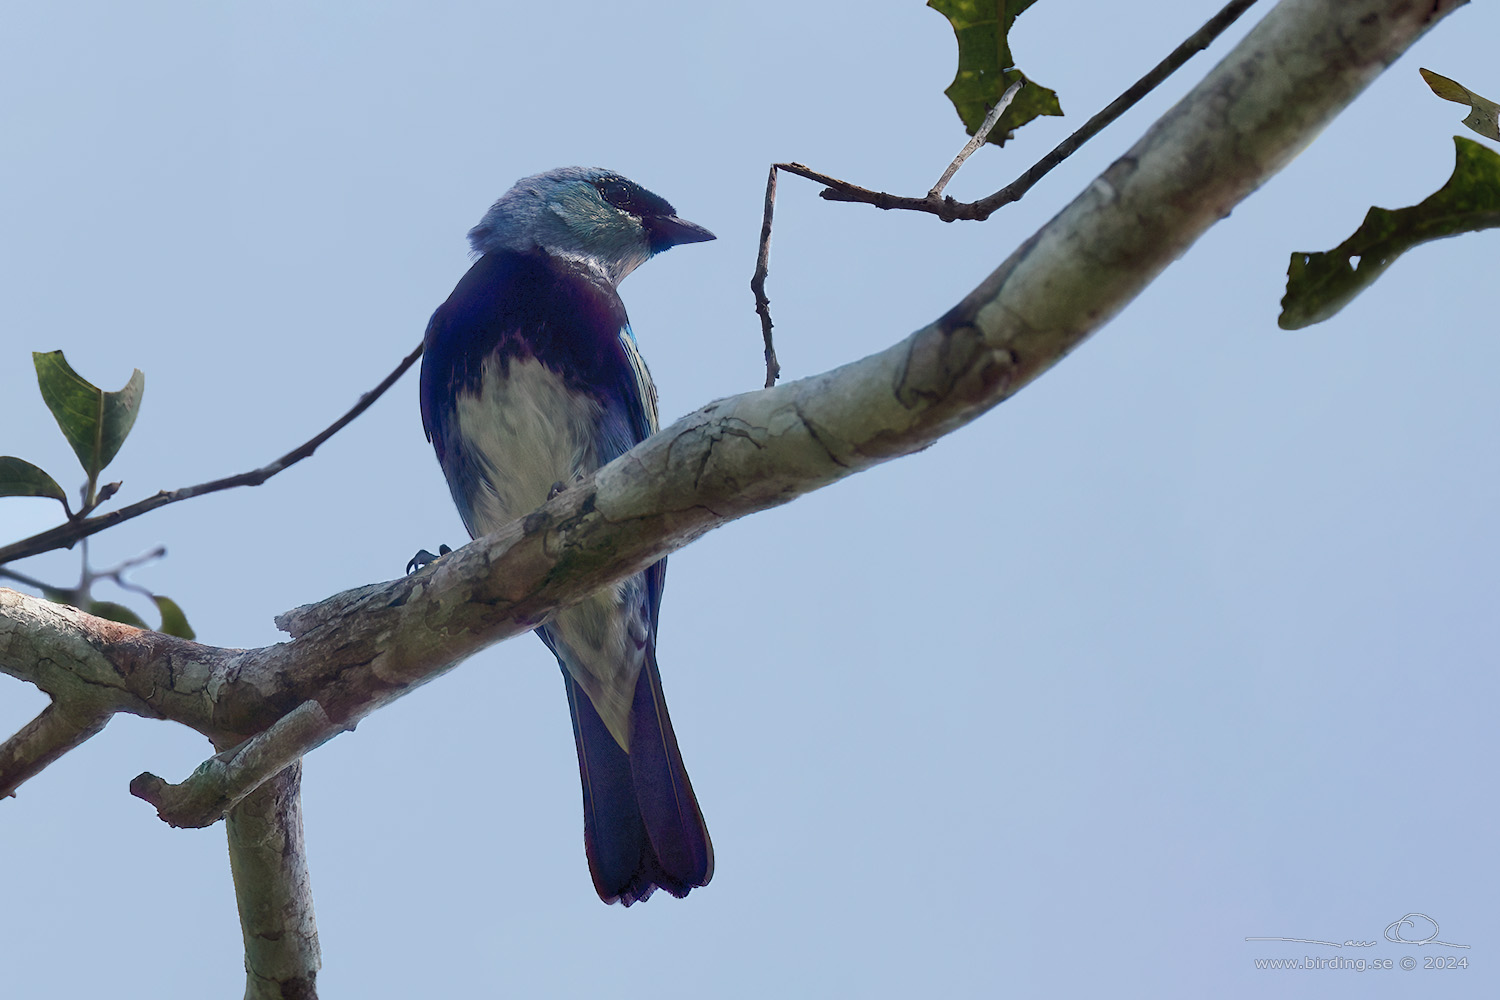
423	558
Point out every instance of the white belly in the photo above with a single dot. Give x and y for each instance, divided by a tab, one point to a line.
528	432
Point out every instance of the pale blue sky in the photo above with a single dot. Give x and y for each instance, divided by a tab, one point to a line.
1192	640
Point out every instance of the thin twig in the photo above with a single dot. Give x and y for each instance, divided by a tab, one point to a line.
944	206
1195	43
990	121
117	575
134	562
65	535
80	595
758	280
26	581
950	210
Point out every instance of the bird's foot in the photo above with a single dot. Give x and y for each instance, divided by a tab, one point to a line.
557	488
423	558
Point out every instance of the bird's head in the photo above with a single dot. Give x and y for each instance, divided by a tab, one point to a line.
585	214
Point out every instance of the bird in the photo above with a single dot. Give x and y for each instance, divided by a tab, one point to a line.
532	379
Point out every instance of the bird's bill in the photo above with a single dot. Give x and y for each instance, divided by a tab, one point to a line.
670	231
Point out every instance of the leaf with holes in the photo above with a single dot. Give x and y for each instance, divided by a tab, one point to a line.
986	68
1484	114
95	422
1318	285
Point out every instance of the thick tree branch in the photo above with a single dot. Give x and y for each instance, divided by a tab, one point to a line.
57	649
358	650
225	779
60	727
271	885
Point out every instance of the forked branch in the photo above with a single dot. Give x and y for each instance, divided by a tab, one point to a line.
946	207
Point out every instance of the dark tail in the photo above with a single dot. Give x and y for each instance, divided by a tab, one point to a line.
641	825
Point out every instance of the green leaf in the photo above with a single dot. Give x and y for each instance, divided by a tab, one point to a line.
1484	114
986	68
94	422
116	613
19	478
173	621
1318	285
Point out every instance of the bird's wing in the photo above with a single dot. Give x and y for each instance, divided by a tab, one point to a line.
648	423
556	321
645	387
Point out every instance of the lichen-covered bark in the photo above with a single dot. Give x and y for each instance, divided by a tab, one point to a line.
274	893
357	651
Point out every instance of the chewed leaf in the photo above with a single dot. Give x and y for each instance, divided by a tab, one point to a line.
1320	284
1484	114
173	621
95	422
19	478
986	68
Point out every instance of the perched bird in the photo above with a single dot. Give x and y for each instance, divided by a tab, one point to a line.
531	379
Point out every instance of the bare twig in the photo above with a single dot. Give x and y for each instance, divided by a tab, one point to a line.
66	535
758	280
988	125
81	595
26	581
1195	43
134	562
944	206
950	210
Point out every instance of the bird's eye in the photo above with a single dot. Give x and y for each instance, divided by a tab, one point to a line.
617	192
